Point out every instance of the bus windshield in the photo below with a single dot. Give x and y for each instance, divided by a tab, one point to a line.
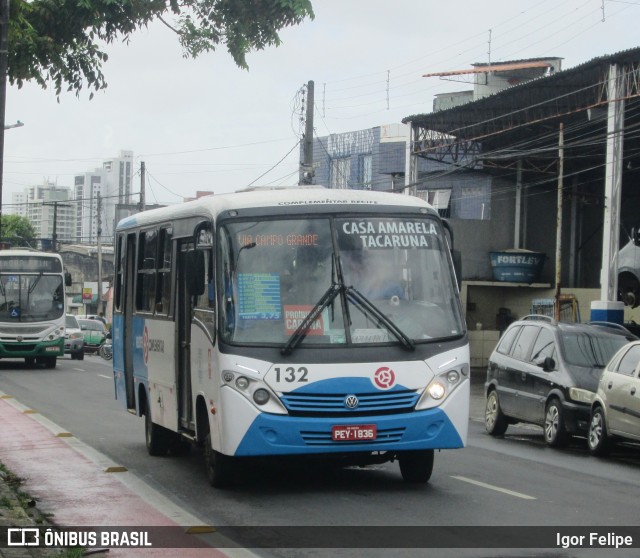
391	279
30	297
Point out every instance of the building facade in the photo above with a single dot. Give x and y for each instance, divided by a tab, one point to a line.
108	186
50	209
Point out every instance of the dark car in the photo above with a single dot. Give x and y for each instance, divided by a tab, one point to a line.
546	373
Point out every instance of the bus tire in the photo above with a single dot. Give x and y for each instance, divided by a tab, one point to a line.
50	362
416	466
219	466
157	437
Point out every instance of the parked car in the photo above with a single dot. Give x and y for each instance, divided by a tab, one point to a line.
94	332
615	412
73	338
546	373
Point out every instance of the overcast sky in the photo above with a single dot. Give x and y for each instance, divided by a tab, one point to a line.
207	125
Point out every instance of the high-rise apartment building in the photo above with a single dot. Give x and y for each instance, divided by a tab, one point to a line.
49	209
112	184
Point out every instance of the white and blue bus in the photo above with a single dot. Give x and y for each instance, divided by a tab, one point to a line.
32	306
292	322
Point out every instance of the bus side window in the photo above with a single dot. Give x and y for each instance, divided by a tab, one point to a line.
163	293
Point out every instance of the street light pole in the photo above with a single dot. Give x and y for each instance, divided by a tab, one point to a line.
4	41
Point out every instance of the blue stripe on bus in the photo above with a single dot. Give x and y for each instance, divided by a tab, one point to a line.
282	435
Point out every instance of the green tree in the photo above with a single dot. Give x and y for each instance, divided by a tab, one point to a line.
61	42
17	230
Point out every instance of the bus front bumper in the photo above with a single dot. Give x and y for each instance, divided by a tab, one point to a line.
269	434
28	349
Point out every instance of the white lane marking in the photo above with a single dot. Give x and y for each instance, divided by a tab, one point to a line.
107	377
496	488
80	369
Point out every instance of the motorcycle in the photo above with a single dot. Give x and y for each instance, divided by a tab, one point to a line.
106	349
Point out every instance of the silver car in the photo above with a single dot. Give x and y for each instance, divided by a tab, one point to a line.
615	411
73	338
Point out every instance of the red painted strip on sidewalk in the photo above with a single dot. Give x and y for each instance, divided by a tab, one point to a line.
73	488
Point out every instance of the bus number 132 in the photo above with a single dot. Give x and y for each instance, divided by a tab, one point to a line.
290	374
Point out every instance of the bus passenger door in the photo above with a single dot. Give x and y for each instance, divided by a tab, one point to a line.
128	306
183	337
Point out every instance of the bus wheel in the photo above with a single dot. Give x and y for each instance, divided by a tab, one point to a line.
50	362
416	466
157	437
219	466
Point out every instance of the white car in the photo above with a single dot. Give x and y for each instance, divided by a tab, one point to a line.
615	411
73	338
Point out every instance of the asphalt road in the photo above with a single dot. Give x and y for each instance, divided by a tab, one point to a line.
511	481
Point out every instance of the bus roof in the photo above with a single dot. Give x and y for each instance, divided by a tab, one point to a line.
289	197
28	253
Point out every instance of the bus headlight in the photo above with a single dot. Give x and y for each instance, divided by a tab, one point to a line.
253	390
436	390
56	333
441	387
242	383
261	396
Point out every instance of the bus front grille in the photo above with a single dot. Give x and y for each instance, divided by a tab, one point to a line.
20	347
383	403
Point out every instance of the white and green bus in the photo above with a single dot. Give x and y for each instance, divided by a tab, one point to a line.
300	322
32	306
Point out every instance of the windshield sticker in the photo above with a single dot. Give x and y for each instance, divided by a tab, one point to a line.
390	234
259	296
294	315
370	336
292	239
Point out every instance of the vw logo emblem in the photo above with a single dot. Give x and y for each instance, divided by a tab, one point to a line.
351	402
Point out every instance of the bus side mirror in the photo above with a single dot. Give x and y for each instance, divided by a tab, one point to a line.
67	279
195	275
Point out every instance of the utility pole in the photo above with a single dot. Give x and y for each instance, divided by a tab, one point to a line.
306	174
4	46
54	235
559	222
143	200
99	235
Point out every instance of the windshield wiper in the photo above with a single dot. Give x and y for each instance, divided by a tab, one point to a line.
299	334
369	308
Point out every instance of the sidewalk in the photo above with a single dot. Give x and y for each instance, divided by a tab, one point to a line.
74	486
